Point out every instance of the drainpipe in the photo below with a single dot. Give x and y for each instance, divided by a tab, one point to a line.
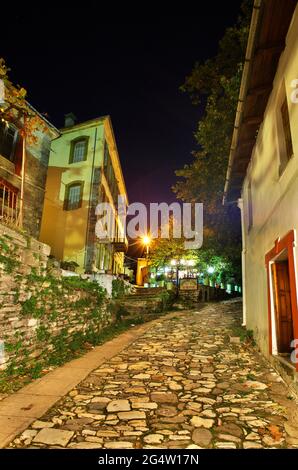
243	259
243	90
24	150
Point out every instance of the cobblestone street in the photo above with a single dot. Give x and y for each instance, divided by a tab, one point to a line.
182	384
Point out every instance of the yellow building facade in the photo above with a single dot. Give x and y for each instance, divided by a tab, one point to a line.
84	170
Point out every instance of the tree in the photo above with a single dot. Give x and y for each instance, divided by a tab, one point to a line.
224	267
214	85
14	109
163	250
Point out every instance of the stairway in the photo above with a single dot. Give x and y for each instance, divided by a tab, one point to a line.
143	302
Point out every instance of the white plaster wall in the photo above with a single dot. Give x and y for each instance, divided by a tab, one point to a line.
274	197
105	281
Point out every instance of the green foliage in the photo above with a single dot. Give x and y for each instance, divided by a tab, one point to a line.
53	315
226	266
9	263
119	288
160	278
30	308
246	336
164	250
36	370
82	303
69	265
167	300
76	283
14	347
29	305
42	334
4	247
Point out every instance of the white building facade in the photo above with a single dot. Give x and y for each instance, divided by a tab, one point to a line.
263	177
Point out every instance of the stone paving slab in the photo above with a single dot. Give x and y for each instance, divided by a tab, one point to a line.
19	410
180	384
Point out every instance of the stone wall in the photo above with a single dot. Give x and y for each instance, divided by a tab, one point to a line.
34	195
204	294
35	180
44	319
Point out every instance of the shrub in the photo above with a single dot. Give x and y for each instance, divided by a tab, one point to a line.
69	265
167	300
119	288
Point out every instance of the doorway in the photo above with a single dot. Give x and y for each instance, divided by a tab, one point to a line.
282	297
282	306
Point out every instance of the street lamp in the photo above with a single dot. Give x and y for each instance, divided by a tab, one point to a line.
146	242
146	239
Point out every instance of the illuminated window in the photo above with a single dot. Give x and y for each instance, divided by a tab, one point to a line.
78	151
73	199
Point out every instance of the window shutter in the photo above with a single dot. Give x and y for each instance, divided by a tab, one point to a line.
287	129
19	155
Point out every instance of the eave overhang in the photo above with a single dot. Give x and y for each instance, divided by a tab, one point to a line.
270	23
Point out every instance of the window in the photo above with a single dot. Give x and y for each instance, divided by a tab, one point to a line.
250	208
8	140
73	199
284	134
8	202
287	129
78	150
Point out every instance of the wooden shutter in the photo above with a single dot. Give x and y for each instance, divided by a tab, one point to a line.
287	129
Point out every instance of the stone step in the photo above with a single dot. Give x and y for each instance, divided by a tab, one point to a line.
149	290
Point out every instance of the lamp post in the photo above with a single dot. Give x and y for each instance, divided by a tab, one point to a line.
146	242
175	263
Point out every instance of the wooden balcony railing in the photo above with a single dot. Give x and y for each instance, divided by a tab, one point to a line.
119	244
9	204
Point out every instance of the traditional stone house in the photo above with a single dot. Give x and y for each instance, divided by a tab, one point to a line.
37	155
263	177
84	169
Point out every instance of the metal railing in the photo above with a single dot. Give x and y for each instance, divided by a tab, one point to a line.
9	205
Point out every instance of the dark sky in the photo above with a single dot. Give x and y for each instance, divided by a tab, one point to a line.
92	63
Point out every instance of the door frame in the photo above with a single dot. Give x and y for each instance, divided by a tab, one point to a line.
287	243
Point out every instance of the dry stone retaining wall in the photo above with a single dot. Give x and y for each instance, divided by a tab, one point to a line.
44	318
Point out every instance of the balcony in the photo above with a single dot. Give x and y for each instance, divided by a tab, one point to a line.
120	245
9	204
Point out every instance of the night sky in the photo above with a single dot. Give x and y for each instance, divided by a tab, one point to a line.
93	64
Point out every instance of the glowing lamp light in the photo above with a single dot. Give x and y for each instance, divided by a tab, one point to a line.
146	240
210	270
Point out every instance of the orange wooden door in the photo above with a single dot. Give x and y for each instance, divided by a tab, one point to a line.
283	307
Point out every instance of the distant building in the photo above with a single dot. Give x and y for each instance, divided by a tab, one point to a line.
84	169
142	274
263	176
37	156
